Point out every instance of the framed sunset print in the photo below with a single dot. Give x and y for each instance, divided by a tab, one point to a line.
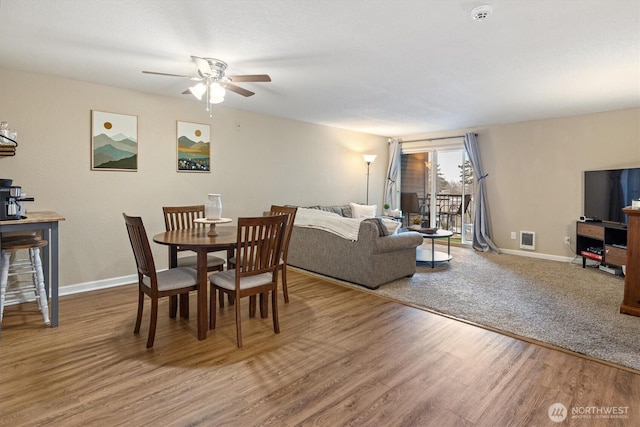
194	147
114	141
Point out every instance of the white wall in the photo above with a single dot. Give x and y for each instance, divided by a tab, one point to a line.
536	168
256	161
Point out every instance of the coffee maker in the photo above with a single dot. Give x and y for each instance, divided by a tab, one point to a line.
11	199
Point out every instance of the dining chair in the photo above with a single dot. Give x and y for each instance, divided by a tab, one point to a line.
180	218
258	253
290	212
167	283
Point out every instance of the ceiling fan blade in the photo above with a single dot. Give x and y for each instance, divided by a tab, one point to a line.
238	89
203	65
166	74
250	78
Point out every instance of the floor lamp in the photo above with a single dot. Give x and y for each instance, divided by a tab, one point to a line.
369	158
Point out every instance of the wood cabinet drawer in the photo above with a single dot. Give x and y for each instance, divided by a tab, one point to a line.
589	230
615	256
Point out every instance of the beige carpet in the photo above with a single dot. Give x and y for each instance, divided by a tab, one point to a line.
557	303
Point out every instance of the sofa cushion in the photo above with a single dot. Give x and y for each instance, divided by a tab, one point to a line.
342	210
363	211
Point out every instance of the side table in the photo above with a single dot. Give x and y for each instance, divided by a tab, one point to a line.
433	256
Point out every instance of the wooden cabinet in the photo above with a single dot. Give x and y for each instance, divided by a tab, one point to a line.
603	242
631	299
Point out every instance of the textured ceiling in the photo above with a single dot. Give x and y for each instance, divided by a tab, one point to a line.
392	67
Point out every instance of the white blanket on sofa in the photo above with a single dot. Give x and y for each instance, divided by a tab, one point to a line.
346	228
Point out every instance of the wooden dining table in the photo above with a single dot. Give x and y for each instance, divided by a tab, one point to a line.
198	240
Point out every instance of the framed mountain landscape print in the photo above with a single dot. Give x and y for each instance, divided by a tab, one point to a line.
114	141
194	147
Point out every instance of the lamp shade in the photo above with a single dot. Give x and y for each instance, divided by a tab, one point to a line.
198	90
216	93
369	158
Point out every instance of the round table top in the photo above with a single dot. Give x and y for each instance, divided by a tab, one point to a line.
198	238
212	221
438	234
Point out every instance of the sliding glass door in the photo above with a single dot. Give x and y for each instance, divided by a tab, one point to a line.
443	181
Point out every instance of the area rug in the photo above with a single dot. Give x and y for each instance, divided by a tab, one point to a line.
552	302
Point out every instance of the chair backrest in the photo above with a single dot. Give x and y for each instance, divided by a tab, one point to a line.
290	212
259	244
467	200
141	248
409	203
181	217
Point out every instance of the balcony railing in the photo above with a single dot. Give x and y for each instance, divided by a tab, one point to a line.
452	212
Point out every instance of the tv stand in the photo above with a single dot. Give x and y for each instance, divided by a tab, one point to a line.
631	301
603	242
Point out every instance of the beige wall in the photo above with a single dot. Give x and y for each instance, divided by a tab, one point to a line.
535	169
534	184
257	161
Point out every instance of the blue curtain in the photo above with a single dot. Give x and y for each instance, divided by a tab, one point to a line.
392	186
481	223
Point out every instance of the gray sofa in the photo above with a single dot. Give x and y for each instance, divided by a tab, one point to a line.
370	261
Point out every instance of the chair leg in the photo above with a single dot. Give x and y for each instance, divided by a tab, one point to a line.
184	305
42	293
238	327
264	305
212	307
173	306
274	310
252	306
285	290
153	323
4	276
221	299
136	329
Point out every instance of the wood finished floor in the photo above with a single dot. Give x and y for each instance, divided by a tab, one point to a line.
343	357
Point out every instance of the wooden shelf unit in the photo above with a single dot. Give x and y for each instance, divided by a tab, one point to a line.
610	238
631	300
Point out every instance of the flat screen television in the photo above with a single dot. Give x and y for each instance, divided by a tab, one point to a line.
606	192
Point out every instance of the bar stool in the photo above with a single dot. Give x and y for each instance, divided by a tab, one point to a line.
10	266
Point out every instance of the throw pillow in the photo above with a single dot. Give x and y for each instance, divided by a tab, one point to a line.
363	211
382	228
392	225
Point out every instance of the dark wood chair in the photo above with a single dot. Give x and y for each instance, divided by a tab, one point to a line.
258	254
290	212
180	218
410	205
168	283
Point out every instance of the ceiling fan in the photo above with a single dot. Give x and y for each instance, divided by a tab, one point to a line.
213	82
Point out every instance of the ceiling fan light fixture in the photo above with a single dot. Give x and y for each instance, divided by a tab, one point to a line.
198	90
213	100
217	91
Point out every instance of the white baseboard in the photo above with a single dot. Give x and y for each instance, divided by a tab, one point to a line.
538	255
98	284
